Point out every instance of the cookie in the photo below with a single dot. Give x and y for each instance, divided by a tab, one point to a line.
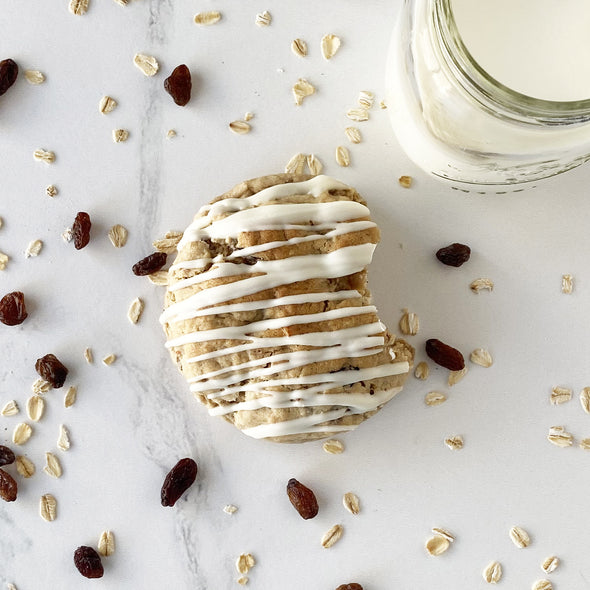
268	315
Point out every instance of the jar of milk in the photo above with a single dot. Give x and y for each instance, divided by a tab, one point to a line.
488	94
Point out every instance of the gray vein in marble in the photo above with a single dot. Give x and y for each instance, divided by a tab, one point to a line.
14	543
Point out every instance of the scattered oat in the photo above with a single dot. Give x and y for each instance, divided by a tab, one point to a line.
107	104
118	235
585	399
44	156
52	466
159	278
409	323
542	585
25	466
454	442
88	356
342	156
492	574
10	586
3	260
22	433
243	580
34	77
519	537
170	134
443	533
559	437
51	191
48	507
437	545
456	376
230	509
358	115
135	310
299	47
301	89
330	45
10	408
435	398
481	284
35	408
382	104
353	134
240	127
34	248
40	386
106	543
560	395
422	371
248	116
567	284
333	446
351	502
332	536
70	396
148	64
207	18
585	444
314	164
122	2
263	19
120	135
79	7
296	164
366	99
481	357
405	181
63	439
109	359
245	563
550	564
67	234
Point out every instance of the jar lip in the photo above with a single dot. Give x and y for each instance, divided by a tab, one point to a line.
491	94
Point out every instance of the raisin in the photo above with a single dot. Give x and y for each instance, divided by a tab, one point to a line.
179	85
8	74
52	370
8	487
6	456
444	355
179	479
12	309
351	586
149	264
302	498
87	562
454	255
81	230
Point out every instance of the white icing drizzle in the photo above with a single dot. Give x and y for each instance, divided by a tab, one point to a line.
227	219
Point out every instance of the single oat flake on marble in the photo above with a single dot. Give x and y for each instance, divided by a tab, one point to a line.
409	323
481	357
107	105
106	543
437	545
405	181
519	537
585	399
51	190
296	164
351	502
40	385
481	284
245	563
135	310
207	18
358	115
330	44
148	64
302	89
35	408
243	580
443	533
70	396
88	355
559	437
567	284
118	235
79	7
454	442
542	585
109	359
422	371
22	433
10	408
550	564
585	444
314	164
3	260
34	77
366	99
263	19
353	135
435	398
560	395
63	439
299	47
25	466
332	536
240	127
492	574
456	376
44	156
342	156
48	507
230	509
120	135
52	466
34	248
333	446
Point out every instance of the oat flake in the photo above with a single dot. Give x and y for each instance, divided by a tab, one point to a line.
519	537
481	284
456	376
366	99
435	398
302	89
148	64
106	543
44	156
409	323
342	156
353	135
358	115
585	399
245	563
34	248
405	181
135	310
168	243
585	444
542	585
41	386
559	437
330	45
25	466
78	7
34	77
550	564
492	574
263	19
481	357
560	395
296	164
10	408
443	533
35	408
333	446
170	134
437	545
48	507
3	260
454	442
120	135
107	105
159	278
332	536
567	284
230	509
422	371
53	466
314	165
118	235
63	439
51	191
109	359
240	127
88	355
207	18
22	433
299	47
351	502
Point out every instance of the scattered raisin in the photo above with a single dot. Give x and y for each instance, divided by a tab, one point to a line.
52	370
81	230
87	562
351	586
179	85
179	479
302	498
8	487
6	456
444	355
454	255
8	74
12	309
149	264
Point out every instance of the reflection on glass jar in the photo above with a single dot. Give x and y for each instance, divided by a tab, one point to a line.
458	122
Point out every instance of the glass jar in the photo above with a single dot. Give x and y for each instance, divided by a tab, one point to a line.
460	124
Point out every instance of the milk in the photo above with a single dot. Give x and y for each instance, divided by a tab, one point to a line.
540	48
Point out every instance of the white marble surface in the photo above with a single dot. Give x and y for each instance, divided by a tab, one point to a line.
133	420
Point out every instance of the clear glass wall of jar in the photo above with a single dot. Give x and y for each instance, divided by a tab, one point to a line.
460	124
